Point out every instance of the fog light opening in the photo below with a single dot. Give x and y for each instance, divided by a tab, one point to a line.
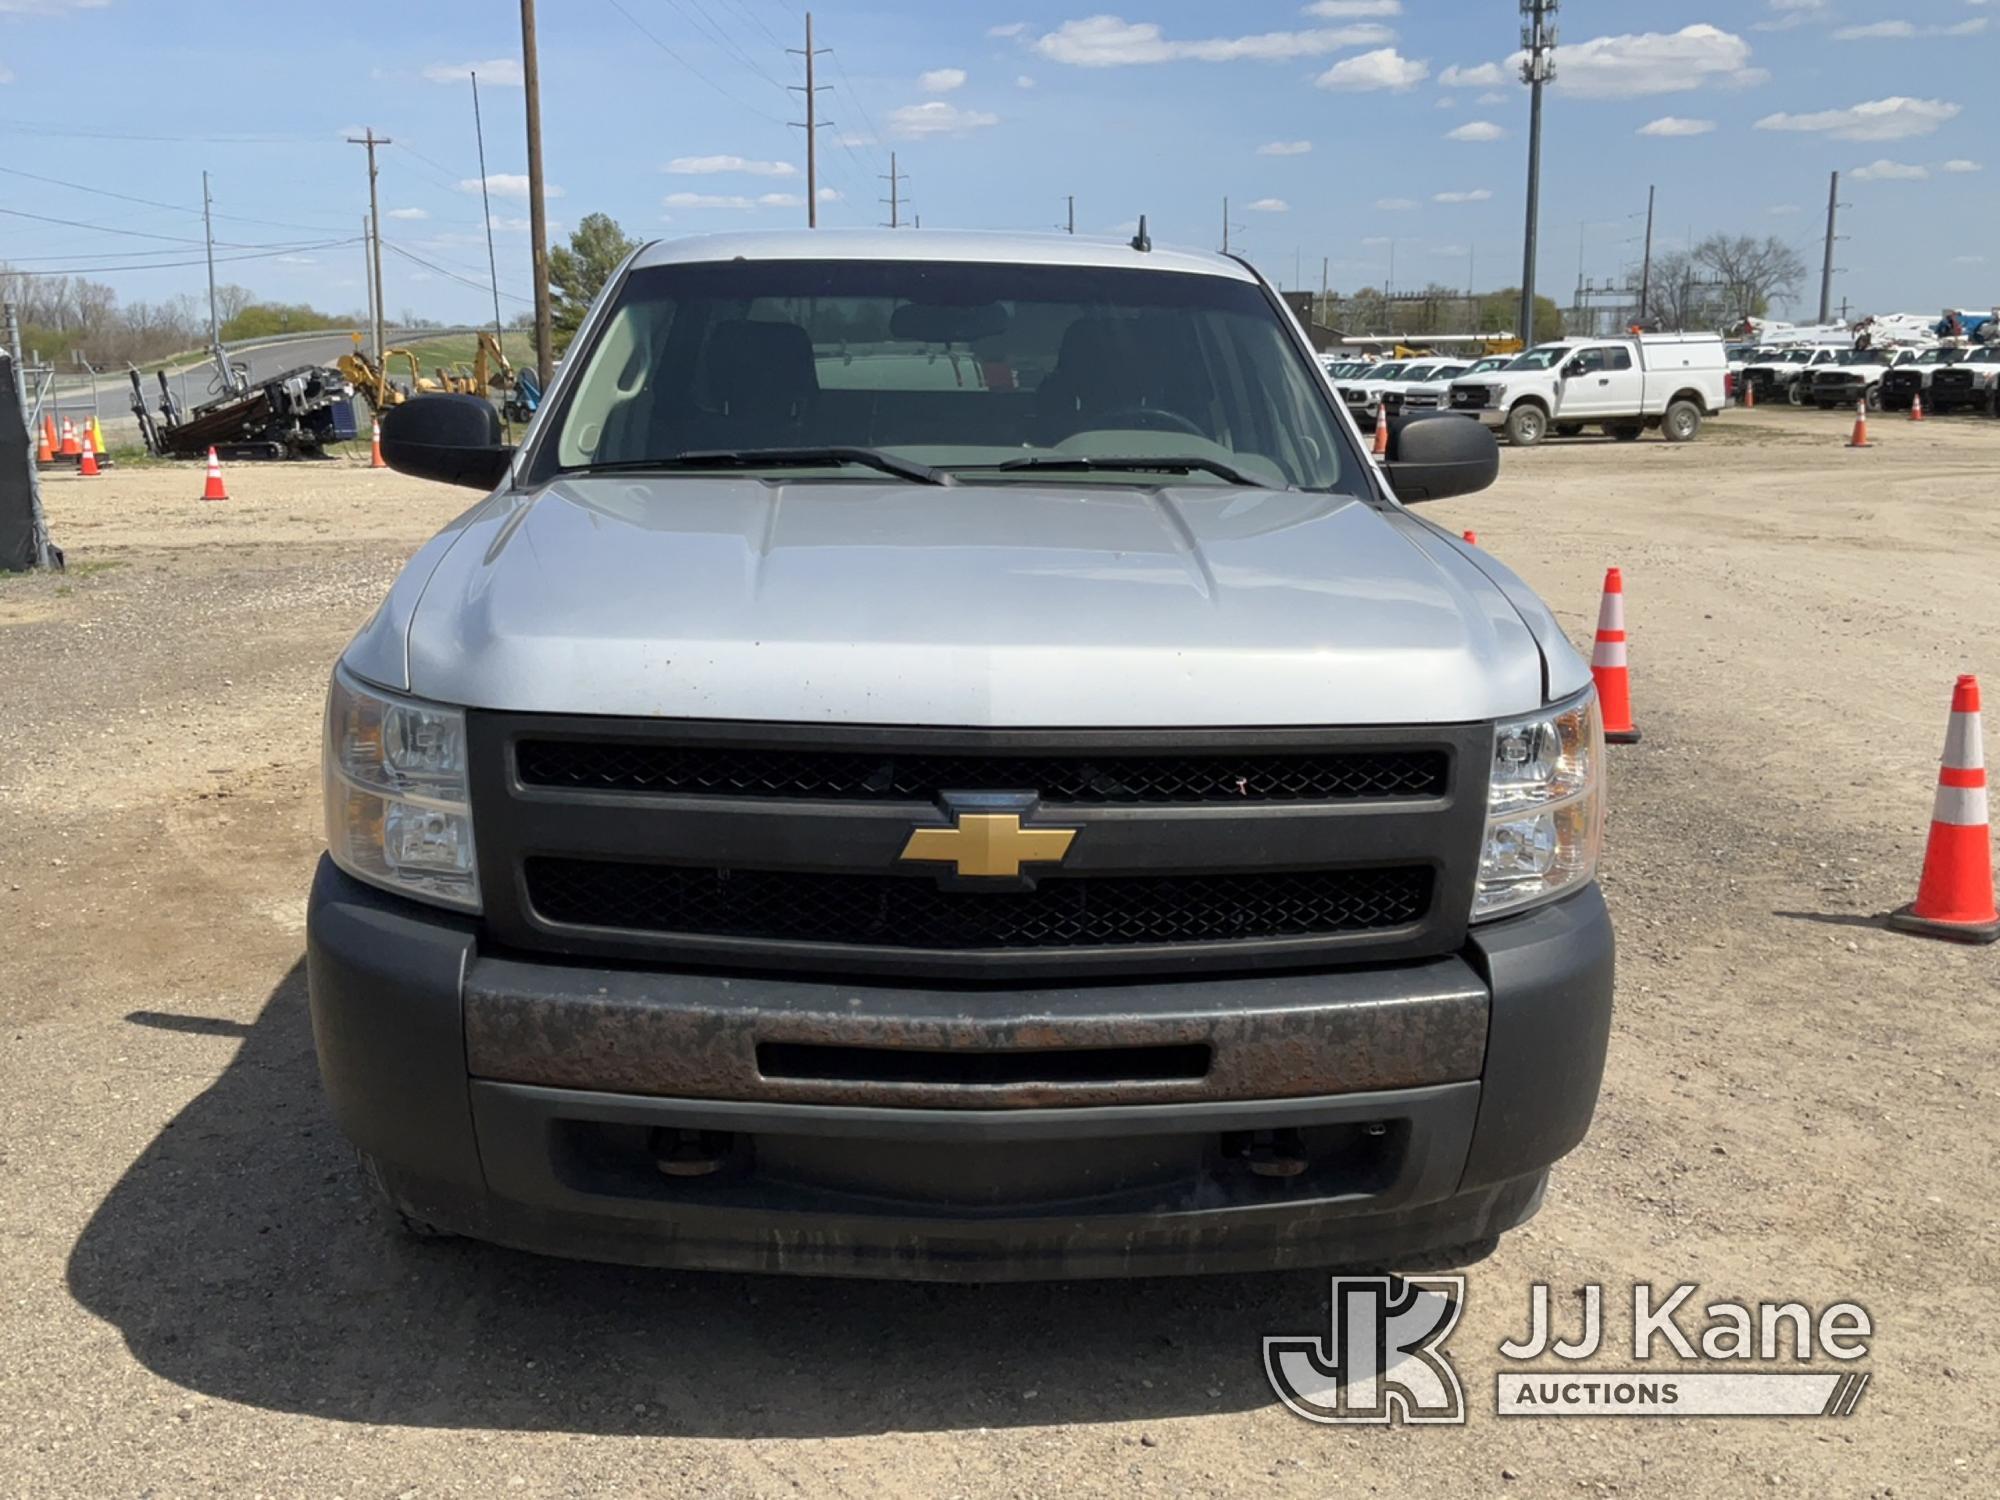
691	1153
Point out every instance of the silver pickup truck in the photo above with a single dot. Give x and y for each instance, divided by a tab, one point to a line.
943	756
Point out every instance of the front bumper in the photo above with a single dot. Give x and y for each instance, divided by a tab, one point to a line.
965	1133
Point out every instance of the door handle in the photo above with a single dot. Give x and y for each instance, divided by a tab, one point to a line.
1604	380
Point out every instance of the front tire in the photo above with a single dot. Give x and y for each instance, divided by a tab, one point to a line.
1682	422
1527	425
1794	395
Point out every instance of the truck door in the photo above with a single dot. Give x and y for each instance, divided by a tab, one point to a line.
1600	381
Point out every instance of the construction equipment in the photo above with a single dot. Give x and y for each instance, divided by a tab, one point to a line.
372	381
292	415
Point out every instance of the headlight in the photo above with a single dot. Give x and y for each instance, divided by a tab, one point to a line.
398	811
1544	808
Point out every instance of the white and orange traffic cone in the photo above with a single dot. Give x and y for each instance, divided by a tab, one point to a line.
49	434
69	448
1955	891
1381	429
375	447
1917	407
45	448
1749	393
1860	438
212	489
1608	666
87	460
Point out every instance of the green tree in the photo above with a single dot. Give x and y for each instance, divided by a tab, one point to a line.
578	271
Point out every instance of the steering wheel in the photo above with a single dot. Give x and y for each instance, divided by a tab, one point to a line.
1144	419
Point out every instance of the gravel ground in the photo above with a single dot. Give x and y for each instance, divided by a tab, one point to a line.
199	1300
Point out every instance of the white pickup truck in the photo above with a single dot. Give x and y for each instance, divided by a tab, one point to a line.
1665	380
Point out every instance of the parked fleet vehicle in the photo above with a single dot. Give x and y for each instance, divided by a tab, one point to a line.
944	756
1912	377
1424	388
1854	375
1668	381
1969	383
1777	378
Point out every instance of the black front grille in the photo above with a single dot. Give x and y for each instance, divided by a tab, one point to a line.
919	775
1952	380
1468	395
914	912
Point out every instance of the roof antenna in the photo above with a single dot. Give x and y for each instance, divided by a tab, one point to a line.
1142	241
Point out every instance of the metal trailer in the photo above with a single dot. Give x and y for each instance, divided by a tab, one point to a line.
293	415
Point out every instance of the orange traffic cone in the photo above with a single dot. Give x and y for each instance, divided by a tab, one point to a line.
1607	664
1749	393
69	448
1955	892
87	463
375	448
1381	429
213	489
45	445
49	433
1860	438
1472	539
1917	408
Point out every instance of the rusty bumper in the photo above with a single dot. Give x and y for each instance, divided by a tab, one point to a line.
959	1133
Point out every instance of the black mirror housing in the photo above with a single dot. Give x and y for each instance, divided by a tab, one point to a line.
452	439
1438	455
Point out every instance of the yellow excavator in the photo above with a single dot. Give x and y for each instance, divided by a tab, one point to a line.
373	382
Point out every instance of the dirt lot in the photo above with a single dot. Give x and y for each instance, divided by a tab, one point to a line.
199	1300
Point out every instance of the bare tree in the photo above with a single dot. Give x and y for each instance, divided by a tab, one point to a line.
1754	273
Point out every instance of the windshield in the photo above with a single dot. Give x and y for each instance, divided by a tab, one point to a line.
1862	357
1418	372
1990	355
947	364
1541	359
1385	372
1492	362
1793	357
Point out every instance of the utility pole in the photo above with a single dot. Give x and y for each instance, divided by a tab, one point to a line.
538	210
1072	213
368	280
1826	266
1225	226
1646	264
371	140
895	198
1538	40
812	127
486	203
208	233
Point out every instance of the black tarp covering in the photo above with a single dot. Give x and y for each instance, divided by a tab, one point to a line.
20	542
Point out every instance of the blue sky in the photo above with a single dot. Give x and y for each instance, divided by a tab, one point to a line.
1334	129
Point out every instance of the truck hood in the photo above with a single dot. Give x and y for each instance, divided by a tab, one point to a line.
1002	605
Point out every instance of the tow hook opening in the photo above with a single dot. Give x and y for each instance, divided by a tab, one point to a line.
691	1153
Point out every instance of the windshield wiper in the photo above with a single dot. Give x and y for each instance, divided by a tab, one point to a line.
776	458
1089	464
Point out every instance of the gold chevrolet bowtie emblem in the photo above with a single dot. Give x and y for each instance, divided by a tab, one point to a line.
990	844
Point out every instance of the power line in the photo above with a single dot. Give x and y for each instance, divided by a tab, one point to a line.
170	265
690	67
35	127
142	234
428	265
179	208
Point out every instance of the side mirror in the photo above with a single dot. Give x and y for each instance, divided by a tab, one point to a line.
1574	367
1438	455
454	439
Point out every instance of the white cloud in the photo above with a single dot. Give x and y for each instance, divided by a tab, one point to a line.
502	72
1783	208
1114	42
1334	10
1376	239
1270	206
1452	250
1884	170
1447	102
708	166
1478	76
1385	68
1632	66
854	138
1284	148
1023	81
1792	13
708	200
48	7
1475	130
408	213
912	122
296	260
1960	164
1877	31
1893	119
829	195
1492	96
780	200
508	185
1394	205
1969	260
1011	28
941	80
1676	125
1469	195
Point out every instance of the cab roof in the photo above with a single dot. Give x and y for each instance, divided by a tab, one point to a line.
937	245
